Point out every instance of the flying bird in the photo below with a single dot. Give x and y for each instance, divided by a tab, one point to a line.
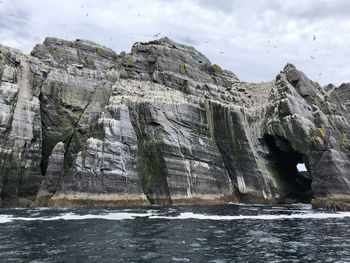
222	52
314	37
157	35
312	57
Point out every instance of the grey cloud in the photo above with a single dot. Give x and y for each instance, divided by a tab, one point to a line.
14	20
310	10
221	5
321	9
188	40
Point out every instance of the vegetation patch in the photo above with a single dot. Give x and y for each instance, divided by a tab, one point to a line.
150	165
344	141
321	132
182	69
129	61
217	70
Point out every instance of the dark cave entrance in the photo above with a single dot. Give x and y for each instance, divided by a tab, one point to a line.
290	169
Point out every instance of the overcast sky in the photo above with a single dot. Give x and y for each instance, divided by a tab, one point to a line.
254	39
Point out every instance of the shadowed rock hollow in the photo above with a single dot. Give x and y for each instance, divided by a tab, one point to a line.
83	126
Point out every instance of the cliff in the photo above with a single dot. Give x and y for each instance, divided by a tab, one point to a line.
83	126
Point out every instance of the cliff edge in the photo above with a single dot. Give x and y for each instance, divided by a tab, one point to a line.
83	126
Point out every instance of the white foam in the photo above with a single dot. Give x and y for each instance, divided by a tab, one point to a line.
190	215
183	216
5	219
109	216
72	216
244	204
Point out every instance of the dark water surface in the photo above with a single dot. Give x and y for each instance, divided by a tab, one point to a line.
222	233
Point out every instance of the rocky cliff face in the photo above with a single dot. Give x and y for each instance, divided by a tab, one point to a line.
81	125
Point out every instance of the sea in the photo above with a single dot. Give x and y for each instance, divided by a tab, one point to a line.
215	233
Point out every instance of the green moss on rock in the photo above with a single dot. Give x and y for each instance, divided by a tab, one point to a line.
102	52
318	140
90	60
217	70
182	69
345	143
321	132
129	61
150	166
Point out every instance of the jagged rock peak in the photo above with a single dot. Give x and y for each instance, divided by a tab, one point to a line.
289	66
169	43
82	43
175	65
82	53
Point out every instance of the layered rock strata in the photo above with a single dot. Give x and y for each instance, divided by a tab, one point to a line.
83	126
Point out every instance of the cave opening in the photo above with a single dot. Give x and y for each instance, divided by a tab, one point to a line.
290	170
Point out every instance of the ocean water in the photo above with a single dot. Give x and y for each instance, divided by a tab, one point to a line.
220	233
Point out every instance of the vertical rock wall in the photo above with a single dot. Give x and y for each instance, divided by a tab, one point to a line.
83	126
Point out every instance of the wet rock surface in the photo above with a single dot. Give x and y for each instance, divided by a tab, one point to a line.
83	126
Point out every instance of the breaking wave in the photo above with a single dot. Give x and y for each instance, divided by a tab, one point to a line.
116	216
